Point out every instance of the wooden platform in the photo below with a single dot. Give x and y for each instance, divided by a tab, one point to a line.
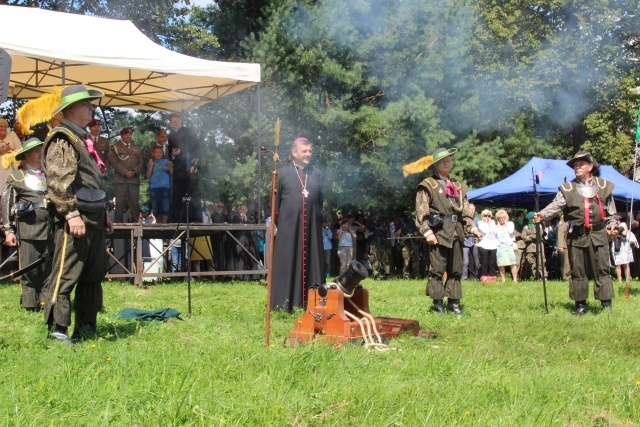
130	237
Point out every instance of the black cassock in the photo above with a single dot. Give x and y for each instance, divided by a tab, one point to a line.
298	250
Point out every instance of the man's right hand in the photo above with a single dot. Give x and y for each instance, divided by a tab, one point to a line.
77	227
432	239
537	218
10	239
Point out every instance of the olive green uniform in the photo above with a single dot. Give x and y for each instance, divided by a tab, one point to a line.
24	195
126	190
531	266
80	261
380	250
446	256
588	246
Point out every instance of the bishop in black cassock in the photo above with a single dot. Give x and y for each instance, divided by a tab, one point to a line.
298	251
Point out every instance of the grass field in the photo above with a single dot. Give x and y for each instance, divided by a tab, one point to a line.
504	363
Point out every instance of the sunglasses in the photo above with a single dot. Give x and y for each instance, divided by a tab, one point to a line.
488	216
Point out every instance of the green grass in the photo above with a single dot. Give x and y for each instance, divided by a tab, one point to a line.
504	363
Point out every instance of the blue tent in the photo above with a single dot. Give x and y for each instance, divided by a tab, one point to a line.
517	189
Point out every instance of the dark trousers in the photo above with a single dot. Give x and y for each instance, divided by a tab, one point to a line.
470	262
32	282
127	195
80	261
449	260
487	261
592	260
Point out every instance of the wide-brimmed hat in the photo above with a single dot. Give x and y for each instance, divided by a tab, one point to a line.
584	156
28	145
428	161
74	93
441	153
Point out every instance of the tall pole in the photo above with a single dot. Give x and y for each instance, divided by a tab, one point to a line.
635	167
259	192
633	187
272	232
539	263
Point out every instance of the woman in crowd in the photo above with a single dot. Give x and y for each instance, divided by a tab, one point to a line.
9	142
487	247
345	237
621	248
506	255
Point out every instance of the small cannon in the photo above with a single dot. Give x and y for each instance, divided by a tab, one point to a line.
338	313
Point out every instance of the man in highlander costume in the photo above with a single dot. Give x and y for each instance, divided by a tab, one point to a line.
25	221
590	213
74	172
442	215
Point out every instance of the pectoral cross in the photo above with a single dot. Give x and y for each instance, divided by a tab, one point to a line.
305	193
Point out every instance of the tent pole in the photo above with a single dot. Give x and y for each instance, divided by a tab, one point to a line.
259	160
635	165
633	185
64	78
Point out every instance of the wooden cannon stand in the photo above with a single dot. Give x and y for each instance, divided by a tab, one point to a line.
325	319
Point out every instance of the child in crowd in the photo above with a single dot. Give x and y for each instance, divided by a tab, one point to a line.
159	170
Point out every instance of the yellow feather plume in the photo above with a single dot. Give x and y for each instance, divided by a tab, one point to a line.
9	160
417	166
39	110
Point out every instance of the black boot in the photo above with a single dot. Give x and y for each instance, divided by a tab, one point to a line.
581	308
59	333
606	304
86	326
438	306
454	306
86	331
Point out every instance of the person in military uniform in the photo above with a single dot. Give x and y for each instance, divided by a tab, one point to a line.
590	213
441	210
380	247
23	199
126	160
405	232
76	192
100	143
531	267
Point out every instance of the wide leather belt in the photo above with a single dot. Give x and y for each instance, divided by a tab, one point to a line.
577	228
452	218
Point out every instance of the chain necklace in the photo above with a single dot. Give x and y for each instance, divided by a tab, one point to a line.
305	193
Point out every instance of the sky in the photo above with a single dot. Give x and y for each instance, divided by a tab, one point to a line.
201	3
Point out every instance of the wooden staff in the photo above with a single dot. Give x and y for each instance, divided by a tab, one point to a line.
272	234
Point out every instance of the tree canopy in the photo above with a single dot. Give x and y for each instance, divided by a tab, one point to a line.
376	84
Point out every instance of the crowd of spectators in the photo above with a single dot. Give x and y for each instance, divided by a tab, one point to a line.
389	245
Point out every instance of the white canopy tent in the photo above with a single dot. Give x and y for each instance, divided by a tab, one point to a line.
51	49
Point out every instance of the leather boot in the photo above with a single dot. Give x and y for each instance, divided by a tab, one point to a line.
59	333
581	308
454	306
438	306
606	304
86	331
86	326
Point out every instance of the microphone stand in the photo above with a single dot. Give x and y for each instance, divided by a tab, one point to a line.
186	200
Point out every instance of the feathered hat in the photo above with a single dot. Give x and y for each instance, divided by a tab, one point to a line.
39	110
427	161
